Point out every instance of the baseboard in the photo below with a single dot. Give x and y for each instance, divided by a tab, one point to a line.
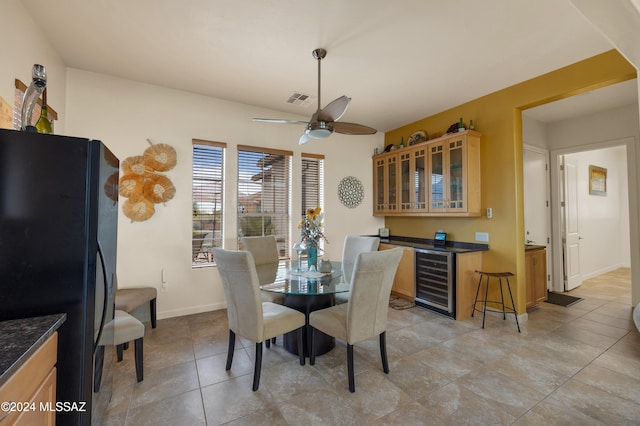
191	310
604	271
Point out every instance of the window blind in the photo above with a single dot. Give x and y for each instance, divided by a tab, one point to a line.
312	191
207	200
264	195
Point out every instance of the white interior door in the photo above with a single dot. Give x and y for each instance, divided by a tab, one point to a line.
571	226
536	206
537	210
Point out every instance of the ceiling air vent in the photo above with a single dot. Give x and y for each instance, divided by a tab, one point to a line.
299	99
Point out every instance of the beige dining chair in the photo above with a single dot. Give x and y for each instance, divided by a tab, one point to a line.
353	246
248	316
264	250
131	298
124	328
365	315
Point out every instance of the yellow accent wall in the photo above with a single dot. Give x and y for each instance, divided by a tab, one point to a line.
498	117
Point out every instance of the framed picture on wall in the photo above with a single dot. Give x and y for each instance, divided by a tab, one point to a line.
597	180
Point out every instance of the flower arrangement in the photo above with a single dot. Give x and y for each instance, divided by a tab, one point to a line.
312	228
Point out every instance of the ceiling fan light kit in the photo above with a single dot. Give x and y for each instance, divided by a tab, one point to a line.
325	120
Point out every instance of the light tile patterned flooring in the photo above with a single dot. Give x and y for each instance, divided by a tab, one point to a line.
570	366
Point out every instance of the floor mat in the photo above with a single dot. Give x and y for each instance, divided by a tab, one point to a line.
400	303
562	299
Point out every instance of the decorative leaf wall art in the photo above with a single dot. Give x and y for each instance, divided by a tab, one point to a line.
143	185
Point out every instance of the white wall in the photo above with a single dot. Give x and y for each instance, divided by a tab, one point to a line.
613	124
534	132
24	44
604	220
123	114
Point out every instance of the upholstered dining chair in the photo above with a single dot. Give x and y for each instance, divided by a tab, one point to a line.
124	328
248	316
353	246
264	251
265	256
131	298
365	315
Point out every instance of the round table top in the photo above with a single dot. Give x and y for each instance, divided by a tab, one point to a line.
289	281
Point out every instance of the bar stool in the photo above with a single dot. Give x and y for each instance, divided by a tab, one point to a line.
499	276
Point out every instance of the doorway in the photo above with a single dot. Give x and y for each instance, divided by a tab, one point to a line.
576	128
592	236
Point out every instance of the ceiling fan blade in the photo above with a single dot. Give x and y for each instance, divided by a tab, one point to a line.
279	121
353	129
304	138
335	109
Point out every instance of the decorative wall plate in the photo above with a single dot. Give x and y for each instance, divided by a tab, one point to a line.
417	137
350	191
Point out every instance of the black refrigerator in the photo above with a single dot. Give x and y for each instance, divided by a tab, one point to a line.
58	234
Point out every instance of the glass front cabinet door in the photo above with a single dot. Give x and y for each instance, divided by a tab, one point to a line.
385	184
413	190
454	164
419	178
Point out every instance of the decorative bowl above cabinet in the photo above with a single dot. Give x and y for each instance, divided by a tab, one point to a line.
440	177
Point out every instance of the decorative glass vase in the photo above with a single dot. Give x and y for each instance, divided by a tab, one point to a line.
312	256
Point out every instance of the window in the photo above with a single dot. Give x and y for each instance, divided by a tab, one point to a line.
312	181
207	187
17	108
264	194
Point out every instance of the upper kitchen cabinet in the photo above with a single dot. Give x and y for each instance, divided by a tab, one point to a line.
440	177
386	182
454	165
413	180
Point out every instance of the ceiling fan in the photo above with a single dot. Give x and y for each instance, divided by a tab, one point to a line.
325	120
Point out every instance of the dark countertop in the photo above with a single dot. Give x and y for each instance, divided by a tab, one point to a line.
532	247
20	338
427	244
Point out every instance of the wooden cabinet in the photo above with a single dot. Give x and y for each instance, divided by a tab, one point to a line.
536	275
385	182
404	283
34	387
413	180
467	282
436	178
454	167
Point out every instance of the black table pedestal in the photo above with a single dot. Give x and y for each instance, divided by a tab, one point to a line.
307	304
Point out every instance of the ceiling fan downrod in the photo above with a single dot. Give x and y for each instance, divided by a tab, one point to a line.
319	54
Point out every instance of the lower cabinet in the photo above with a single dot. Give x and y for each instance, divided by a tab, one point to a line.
467	282
33	386
404	284
536	275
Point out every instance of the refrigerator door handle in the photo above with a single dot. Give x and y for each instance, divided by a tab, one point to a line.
106	292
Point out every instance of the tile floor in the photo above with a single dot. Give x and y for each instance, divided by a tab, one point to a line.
570	366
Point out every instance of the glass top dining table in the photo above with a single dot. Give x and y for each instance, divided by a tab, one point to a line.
306	292
290	281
